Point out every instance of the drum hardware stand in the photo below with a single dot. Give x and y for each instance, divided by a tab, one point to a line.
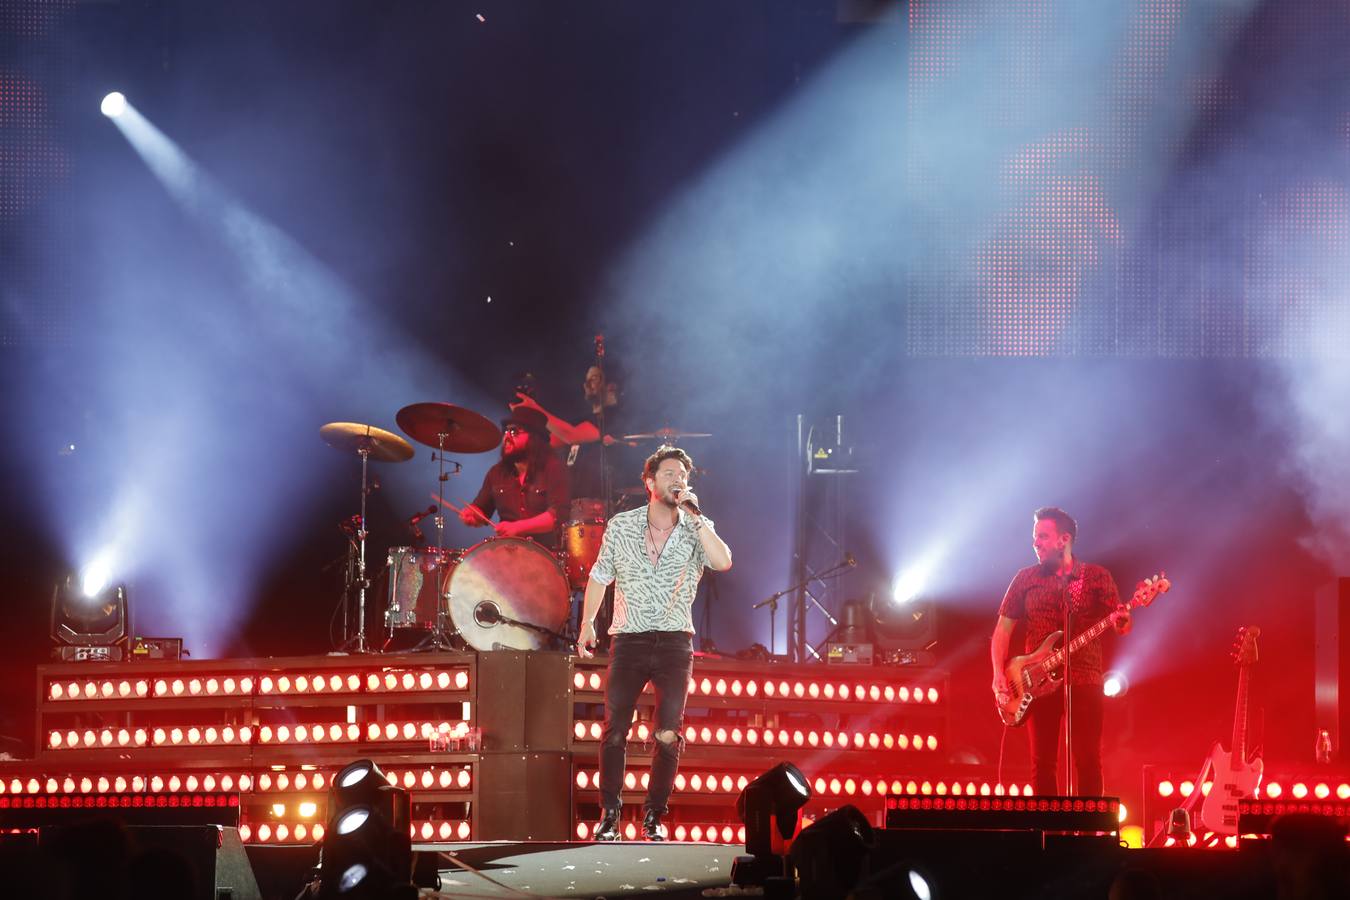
439	637
358	641
442	477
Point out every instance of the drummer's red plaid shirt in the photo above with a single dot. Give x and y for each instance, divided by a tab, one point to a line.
1038	598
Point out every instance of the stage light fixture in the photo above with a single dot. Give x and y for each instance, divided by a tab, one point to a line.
367	850
1115	684
771	808
89	625
113	105
901	628
830	854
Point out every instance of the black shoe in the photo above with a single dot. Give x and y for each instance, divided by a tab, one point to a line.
651	827
608	829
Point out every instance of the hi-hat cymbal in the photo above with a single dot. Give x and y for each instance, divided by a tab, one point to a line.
384	446
449	427
666	434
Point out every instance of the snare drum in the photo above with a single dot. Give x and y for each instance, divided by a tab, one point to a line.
417	581
507	578
581	546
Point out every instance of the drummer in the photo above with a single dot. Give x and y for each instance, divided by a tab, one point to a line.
528	488
600	403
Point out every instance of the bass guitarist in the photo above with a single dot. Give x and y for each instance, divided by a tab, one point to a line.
1039	594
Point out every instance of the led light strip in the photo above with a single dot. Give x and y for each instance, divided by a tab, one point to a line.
584	730
1271	789
719	833
265	684
801	690
228	735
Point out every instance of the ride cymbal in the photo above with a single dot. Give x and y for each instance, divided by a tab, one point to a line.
384	446
449	427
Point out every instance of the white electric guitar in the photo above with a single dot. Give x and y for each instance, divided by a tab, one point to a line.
1236	777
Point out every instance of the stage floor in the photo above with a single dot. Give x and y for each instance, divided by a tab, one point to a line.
629	869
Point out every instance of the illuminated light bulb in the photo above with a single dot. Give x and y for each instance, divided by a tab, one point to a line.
409	681
245	783
721	735
888	741
246	685
245	734
874	693
318	831
851	787
1166	788
932	742
138	783
874	740
813	690
579	730
705	686
120	784
265	734
156	784
813	738
410	730
283	781
629	780
932	695
428	779
889	693
245	833
1322	791
106	689
1343	791
194	736
858	740
721	687
903	694
160	736
90	689
828	691
769	738
706	734
278	809
827	739
984	789
266	684
409	779
1122	815
264	832
302	683
751	736
642	731
595	730
835	786
736	736
56	691
845	692
300	830
696	833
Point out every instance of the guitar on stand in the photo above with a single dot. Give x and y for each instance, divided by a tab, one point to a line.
1236	777
1041	671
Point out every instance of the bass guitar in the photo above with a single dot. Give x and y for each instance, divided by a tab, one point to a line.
1042	670
1235	776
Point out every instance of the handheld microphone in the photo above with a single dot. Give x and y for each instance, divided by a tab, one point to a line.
687	504
422	515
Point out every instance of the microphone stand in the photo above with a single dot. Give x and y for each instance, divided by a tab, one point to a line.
772	602
500	619
1068	694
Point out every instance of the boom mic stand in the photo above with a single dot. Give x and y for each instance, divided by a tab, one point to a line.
772	601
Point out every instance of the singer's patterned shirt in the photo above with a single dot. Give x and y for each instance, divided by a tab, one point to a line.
647	597
1039	598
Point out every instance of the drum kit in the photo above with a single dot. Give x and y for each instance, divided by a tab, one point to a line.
504	593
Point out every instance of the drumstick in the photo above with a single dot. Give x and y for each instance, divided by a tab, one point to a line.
486	520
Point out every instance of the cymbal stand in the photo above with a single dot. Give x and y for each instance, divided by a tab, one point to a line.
439	637
358	641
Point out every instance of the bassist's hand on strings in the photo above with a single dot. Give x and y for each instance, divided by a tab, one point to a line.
1002	687
1121	619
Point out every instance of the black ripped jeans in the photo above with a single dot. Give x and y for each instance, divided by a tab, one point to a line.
666	659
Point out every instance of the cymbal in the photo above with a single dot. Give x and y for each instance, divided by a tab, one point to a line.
666	434
384	446
464	430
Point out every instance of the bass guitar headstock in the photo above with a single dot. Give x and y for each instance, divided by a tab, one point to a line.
1244	648
1148	590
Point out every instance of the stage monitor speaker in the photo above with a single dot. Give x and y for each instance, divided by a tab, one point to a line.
205	862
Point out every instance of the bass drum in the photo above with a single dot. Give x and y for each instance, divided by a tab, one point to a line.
508	578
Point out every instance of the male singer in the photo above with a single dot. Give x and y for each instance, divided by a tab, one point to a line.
656	553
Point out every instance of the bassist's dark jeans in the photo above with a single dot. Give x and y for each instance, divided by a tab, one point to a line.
666	659
1044	720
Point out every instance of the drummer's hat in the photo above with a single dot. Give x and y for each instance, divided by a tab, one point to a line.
529	419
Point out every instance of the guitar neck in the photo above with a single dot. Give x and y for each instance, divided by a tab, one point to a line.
1239	745
1056	659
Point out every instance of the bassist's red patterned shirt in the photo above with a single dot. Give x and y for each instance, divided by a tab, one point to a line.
1038	598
